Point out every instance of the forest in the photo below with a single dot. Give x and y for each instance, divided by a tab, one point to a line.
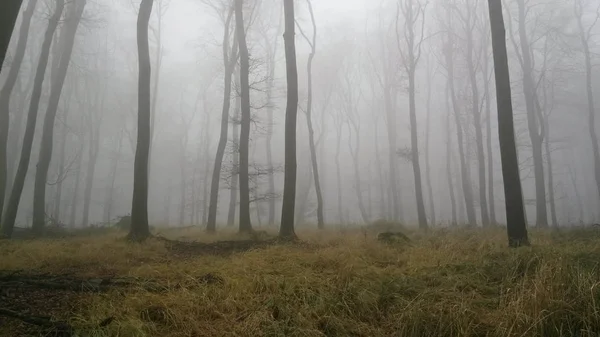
299	168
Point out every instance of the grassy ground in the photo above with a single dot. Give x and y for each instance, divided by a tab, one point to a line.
446	283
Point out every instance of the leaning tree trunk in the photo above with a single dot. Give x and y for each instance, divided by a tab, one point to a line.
533	124
311	132
515	214
245	225
140	230
11	80
10	215
291	112
66	43
229	62
9	12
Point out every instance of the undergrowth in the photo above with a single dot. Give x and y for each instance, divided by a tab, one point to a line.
445	283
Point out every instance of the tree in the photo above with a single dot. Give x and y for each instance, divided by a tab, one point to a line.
7	90
413	11
140	230
229	59
245	222
515	214
65	49
311	133
12	207
469	20
286	230
585	36
535	124
9	12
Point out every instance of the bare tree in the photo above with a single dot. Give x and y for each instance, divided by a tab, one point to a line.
289	189
229	59
535	125
12	207
140	230
9	84
585	36
65	49
413	14
245	224
515	213
309	106
469	21
427	147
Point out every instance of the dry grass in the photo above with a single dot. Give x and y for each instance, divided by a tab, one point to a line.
462	283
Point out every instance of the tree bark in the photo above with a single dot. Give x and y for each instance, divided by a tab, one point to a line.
11	79
110	191
12	207
9	12
449	175
289	188
211	225
469	26
427	155
311	132
585	37
536	136
245	225
140	229
488	129
515	214
65	49
93	149
465	179
75	198
233	193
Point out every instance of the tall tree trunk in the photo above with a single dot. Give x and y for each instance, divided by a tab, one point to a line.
391	133
515	214
61	172
488	129
183	180
338	174
9	12
66	43
536	136
110	191
291	112
449	175
245	224
551	197
427	155
585	38
354	151
311	133
272	54
12	207
233	193
464	172
93	149
412	11
140	229
206	176
11	79
229	61
75	197
485	218
383	212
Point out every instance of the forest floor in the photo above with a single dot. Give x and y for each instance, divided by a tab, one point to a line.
337	283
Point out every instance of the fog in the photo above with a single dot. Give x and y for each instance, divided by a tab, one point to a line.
361	83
